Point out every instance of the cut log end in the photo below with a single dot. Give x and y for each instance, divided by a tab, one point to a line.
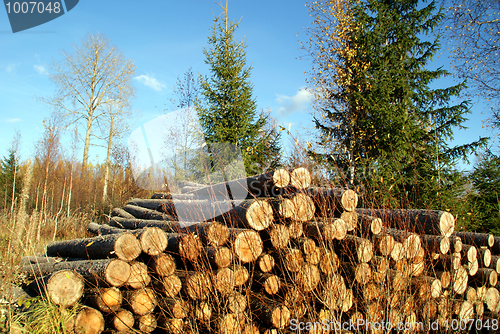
259	215
248	246
127	247
281	178
300	178
65	288
89	321
447	224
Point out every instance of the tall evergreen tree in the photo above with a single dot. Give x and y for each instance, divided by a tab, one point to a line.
228	110
382	113
10	179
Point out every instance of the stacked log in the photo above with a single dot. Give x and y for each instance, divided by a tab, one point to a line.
290	254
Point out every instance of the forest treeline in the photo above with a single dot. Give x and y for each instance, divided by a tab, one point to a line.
381	129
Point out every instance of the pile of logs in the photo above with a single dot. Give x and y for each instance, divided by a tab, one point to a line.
285	256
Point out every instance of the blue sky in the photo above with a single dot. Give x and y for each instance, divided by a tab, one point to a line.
164	39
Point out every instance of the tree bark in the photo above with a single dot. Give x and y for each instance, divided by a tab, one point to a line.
476	239
113	272
421	221
124	246
335	200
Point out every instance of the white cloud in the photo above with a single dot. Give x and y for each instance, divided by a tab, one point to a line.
297	103
41	69
150	81
13	120
10	68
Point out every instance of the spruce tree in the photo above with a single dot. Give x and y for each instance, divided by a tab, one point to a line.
228	111
384	115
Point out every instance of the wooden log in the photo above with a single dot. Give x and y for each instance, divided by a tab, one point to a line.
300	178
456	244
295	229
329	262
397	252
427	286
492	299
380	264
63	287
411	241
308	277
304	208
186	245
122	320
105	299
283	208
327	229
247	245
270	312
220	257
203	312
276	236
236	302
495	263
445	278
459	280
141	301
421	221
363	248
171	285
106	271
146	323
270	283
118	212
266	262
466	310
139	277
197	285
162	264
212	234
369	224
476	239
330	201
255	214
484	257
293	259
88	321
224	281
268	184
385	244
435	243
153	240
484	276
42	259
230	323
103	229
351	220
142	213
241	274
175	308
124	246
311	251
134	224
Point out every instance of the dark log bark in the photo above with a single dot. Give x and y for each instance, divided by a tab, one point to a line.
103	272
484	276
435	243
331	201
270	312
495	263
476	239
123	246
134	224
369	224
360	247
264	185
118	212
143	213
420	221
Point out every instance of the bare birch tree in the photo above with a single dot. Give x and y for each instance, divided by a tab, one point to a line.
92	76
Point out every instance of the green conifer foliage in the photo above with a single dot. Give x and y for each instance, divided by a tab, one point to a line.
228	111
387	116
